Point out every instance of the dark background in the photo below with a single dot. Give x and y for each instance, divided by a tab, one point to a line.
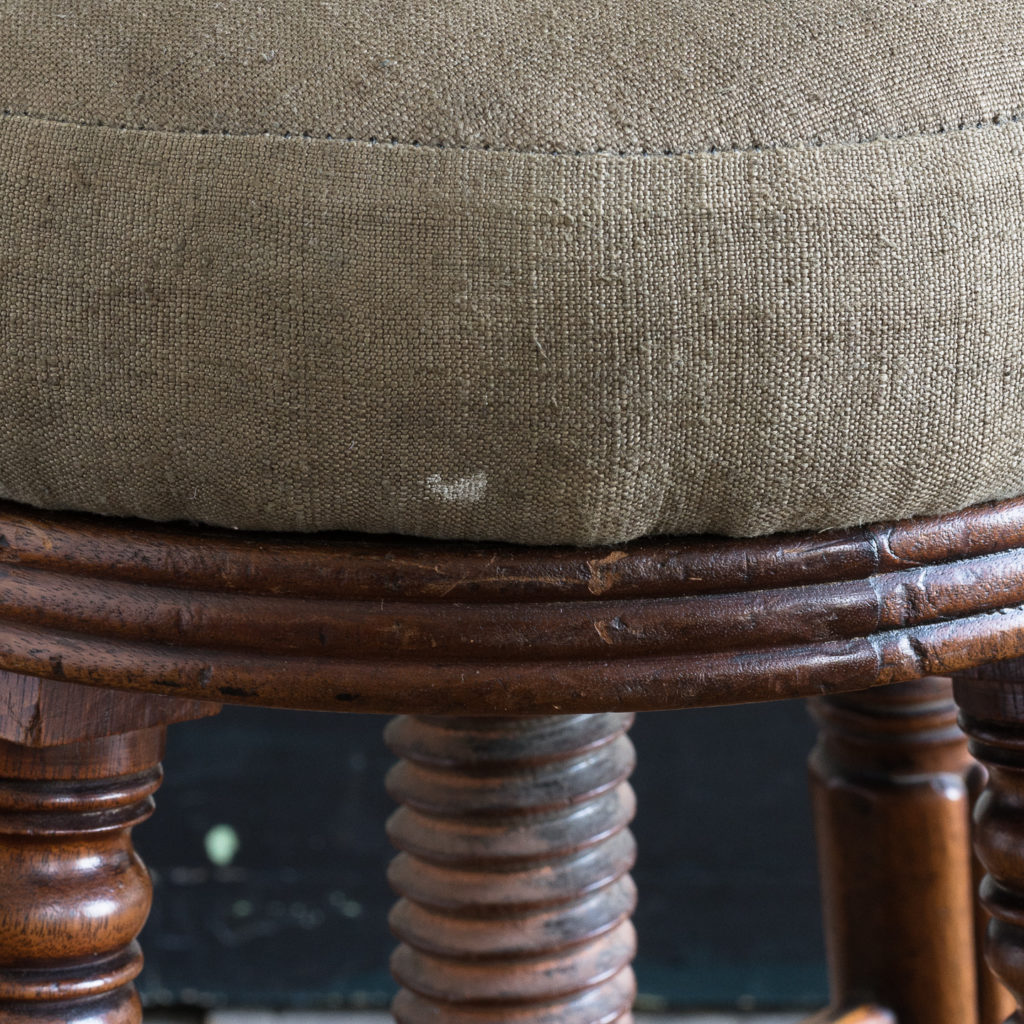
728	911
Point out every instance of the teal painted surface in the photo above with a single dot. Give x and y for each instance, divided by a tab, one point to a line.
268	850
769	985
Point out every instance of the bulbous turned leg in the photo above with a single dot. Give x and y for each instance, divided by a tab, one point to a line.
992	714
513	874
995	1003
73	893
891	785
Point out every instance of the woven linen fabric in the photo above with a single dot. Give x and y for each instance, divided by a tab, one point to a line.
545	271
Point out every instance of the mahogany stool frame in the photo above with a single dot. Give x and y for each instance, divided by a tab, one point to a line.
516	672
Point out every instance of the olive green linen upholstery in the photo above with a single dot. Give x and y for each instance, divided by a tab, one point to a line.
547	271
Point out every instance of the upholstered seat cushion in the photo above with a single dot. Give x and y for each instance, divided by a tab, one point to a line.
535	270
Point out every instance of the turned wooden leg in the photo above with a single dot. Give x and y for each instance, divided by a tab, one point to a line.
516	896
995	1003
992	714
73	893
892	796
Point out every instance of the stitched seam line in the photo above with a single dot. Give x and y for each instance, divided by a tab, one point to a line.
994	121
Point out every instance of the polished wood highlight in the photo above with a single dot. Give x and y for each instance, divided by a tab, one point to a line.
351	623
73	893
513	874
891	791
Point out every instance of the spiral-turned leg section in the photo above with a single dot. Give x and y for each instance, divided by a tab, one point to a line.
513	876
992	715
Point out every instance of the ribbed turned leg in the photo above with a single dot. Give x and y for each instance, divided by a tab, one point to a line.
992	714
995	1003
513	876
892	796
73	893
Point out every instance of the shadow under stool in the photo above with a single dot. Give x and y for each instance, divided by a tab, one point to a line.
515	673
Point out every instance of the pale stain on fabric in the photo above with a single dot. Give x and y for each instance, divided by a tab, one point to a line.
465	488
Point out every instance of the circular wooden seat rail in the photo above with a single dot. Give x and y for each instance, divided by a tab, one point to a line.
356	624
515	671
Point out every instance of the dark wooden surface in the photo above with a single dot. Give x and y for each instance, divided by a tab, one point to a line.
73	893
349	624
513	872
176	615
45	713
891	781
992	713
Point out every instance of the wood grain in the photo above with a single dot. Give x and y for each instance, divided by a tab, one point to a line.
516	897
513	874
891	788
331	622
75	895
44	712
76	775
